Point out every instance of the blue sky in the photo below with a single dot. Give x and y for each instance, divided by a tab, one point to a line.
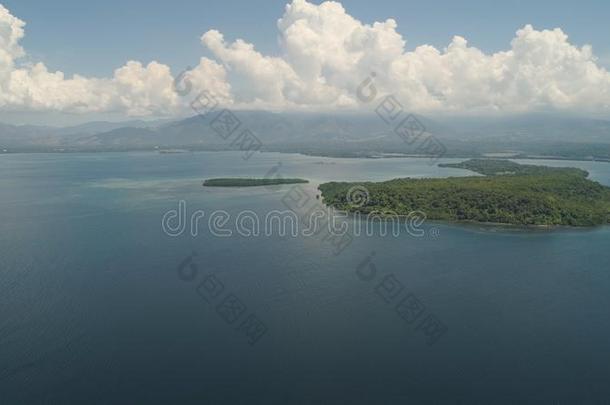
94	38
72	61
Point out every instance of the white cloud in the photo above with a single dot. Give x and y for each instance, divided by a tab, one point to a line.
324	55
135	89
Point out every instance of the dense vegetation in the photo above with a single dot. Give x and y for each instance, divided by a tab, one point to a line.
509	193
241	182
491	167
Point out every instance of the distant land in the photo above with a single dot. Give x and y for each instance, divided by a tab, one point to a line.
247	182
542	135
507	193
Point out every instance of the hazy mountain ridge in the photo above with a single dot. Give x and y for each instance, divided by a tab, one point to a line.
334	134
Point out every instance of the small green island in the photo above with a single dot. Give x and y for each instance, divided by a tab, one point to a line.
506	193
250	182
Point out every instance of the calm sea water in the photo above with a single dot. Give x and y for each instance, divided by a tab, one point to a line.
93	310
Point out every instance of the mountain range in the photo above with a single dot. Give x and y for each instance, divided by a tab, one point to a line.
326	134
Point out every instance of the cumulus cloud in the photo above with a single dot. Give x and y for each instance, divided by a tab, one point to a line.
324	55
135	89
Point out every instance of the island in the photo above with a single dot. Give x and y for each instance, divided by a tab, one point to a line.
504	192
173	151
250	182
493	167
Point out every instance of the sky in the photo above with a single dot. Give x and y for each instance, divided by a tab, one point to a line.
474	57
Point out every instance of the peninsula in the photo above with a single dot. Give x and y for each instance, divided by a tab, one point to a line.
506	193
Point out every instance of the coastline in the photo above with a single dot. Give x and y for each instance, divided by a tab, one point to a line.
367	155
465	224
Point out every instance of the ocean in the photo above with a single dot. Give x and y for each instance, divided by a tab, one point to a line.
98	304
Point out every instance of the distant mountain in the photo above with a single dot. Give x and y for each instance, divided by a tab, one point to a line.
97	127
16	136
270	128
33	136
532	127
335	134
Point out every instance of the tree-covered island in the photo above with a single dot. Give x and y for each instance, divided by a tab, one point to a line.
507	193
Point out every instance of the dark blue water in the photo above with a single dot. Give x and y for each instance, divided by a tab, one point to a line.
94	310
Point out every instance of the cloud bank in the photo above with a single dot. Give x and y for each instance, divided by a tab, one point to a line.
324	56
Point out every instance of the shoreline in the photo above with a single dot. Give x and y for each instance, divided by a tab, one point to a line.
465	224
372	157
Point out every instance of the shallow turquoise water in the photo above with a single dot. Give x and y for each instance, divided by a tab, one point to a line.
93	308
